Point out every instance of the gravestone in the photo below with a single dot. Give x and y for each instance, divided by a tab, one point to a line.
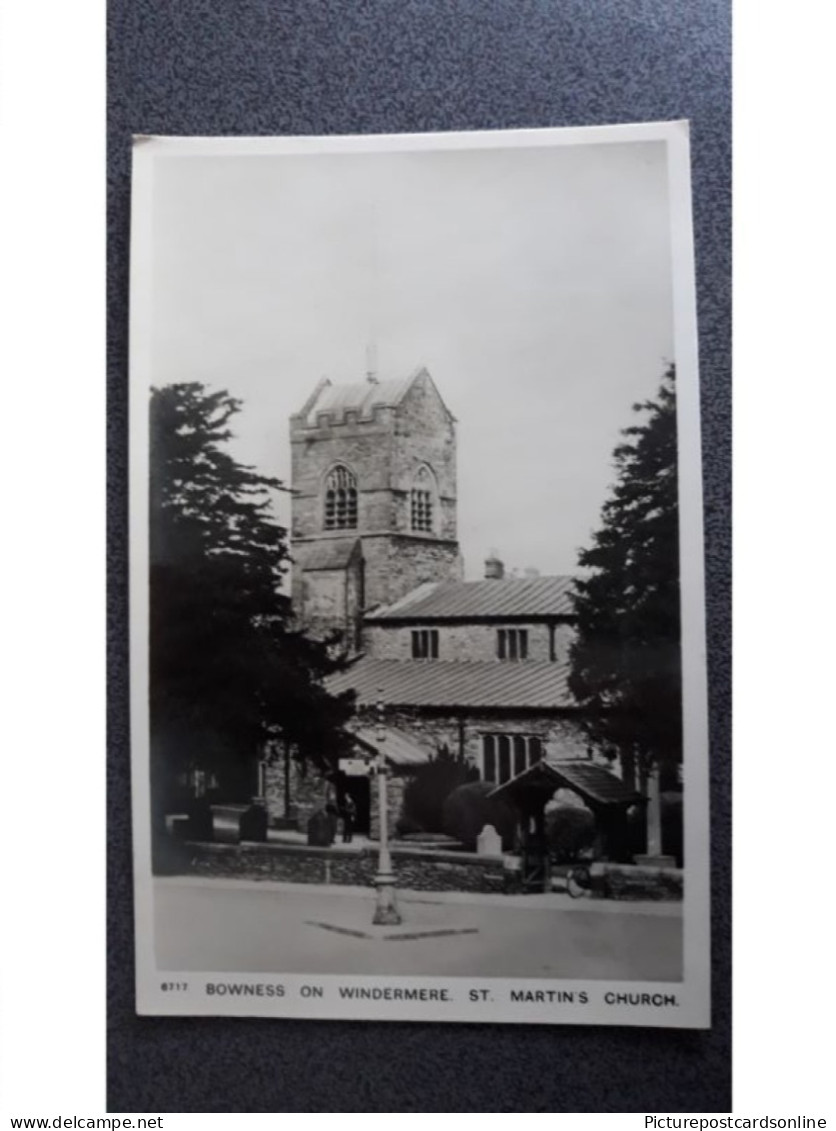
489	842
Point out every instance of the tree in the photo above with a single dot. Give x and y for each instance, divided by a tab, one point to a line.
469	807
430	786
228	673
625	662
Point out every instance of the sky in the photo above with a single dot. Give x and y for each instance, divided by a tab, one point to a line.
534	284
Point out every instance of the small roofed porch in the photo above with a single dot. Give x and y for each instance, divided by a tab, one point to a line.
600	790
402	753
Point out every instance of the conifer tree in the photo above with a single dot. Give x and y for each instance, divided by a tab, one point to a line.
228	672
626	668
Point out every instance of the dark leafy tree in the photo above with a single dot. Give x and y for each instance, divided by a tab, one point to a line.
228	673
469	807
626	667
570	830
429	787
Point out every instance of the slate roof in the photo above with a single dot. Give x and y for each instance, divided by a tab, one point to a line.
594	782
361	397
400	748
500	598
331	553
463	683
591	781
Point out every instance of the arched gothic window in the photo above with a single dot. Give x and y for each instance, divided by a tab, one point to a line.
340	499
423	504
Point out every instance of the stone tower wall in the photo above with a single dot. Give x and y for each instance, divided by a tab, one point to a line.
384	450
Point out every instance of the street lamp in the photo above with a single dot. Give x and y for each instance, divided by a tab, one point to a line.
386	912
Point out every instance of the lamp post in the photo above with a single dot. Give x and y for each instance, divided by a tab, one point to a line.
386	912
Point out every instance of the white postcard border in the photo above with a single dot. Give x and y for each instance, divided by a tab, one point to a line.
692	1008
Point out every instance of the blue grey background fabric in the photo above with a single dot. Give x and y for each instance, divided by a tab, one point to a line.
375	66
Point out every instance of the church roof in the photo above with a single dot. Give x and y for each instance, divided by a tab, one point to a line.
456	683
400	748
361	397
592	782
500	598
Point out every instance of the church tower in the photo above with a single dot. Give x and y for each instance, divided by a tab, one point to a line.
373	484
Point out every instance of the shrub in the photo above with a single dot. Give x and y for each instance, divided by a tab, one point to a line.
428	789
468	809
570	830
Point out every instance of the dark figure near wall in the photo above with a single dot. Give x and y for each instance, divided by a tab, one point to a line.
349	815
334	818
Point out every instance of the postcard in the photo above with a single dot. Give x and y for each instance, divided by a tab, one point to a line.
419	724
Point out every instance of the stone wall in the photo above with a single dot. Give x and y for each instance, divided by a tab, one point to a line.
309	791
395	787
328	599
383	452
364	446
398	563
425	433
632	881
466	641
561	735
415	869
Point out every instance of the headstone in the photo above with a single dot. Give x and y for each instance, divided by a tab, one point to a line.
489	842
254	823
236	822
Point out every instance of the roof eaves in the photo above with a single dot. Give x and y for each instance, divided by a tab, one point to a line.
322	383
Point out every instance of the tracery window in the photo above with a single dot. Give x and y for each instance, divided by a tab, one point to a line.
422	501
340	499
505	755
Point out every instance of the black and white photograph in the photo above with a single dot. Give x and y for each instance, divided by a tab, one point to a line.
417	611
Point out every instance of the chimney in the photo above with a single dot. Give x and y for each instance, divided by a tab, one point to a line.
494	567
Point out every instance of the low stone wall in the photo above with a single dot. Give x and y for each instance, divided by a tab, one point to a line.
415	869
634	881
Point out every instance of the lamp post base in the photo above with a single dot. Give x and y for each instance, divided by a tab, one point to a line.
386	912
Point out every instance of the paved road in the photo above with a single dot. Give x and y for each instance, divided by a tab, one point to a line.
223	925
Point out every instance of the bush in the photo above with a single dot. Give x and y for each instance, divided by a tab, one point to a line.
468	809
429	788
570	830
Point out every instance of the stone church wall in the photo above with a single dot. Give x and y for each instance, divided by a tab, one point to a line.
396	565
309	791
383	453
464	641
562	736
425	433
